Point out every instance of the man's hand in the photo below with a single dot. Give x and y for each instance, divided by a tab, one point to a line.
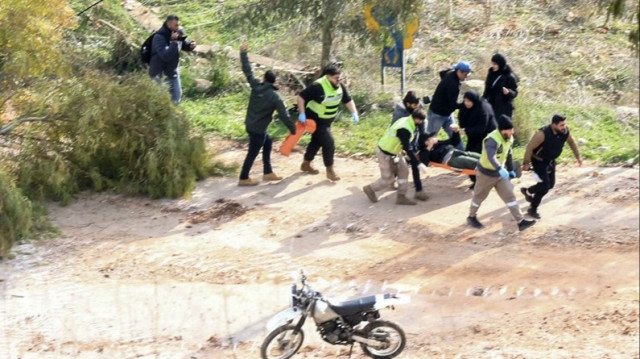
355	118
526	167
302	117
175	35
579	160
244	47
454	127
192	45
505	90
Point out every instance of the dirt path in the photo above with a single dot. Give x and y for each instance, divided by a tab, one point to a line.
199	277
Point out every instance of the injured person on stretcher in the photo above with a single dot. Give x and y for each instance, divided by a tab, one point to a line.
445	154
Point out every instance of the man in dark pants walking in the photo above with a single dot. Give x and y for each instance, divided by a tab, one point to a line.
264	99
320	102
545	146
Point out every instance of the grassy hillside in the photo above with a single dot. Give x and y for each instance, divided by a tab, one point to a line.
566	60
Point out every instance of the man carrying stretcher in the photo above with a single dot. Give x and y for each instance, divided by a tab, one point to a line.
446	154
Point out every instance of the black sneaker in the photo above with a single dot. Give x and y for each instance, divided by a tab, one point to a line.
473	222
533	213
525	223
527	196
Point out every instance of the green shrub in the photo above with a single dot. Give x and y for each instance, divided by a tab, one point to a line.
105	134
15	214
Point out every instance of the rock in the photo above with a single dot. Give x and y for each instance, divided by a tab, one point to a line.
582	141
477	85
604	148
629	116
203	85
570	17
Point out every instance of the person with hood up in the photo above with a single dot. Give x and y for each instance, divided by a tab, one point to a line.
165	55
501	86
477	119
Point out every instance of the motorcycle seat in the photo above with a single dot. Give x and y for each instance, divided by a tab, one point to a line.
351	307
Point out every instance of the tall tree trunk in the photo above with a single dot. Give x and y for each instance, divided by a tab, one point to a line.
327	41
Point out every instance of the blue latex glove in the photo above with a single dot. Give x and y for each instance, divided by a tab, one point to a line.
302	118
512	174
503	173
355	118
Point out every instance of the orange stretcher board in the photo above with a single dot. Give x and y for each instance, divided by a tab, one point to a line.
292	140
460	171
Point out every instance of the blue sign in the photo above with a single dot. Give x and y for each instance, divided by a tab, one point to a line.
392	55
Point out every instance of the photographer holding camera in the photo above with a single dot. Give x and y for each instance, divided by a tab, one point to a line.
165	55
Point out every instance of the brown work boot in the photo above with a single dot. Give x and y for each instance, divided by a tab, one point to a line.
403	200
331	174
422	195
247	182
271	177
370	193
307	167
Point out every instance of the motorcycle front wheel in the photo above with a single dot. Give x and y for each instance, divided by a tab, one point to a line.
389	334
282	343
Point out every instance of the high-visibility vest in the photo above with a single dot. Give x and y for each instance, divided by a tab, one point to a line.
389	142
332	97
501	152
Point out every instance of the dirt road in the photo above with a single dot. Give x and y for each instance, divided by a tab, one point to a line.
199	277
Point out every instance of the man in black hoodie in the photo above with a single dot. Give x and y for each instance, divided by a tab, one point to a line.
165	55
445	99
501	86
264	99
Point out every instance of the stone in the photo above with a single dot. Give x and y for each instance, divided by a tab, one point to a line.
467	85
629	116
203	85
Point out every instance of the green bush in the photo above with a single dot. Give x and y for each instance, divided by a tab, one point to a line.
15	214
108	134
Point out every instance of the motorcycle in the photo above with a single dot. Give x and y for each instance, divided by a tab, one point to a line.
339	323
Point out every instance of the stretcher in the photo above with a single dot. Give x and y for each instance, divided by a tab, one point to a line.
467	172
460	171
292	140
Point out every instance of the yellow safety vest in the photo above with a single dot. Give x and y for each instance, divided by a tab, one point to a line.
389	142
332	97
501	152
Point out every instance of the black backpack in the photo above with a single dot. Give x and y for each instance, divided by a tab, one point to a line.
145	49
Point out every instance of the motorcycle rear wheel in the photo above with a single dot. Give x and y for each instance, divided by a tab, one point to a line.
388	332
286	343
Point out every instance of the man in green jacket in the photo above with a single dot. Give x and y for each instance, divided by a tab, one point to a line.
494	170
396	139
264	99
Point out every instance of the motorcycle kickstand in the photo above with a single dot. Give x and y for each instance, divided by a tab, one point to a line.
350	351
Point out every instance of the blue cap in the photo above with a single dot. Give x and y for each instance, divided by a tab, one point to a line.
462	66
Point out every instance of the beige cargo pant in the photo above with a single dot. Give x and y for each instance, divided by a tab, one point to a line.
388	170
483	186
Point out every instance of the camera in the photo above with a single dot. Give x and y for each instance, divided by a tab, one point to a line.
181	35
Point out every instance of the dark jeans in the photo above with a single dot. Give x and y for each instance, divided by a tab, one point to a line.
321	138
257	142
546	170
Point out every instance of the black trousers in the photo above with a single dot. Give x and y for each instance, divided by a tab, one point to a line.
257	142
321	138
546	170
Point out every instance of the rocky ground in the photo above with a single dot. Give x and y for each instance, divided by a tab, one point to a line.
199	277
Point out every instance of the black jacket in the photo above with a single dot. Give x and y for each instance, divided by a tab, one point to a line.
445	98
439	150
262	102
502	104
477	121
165	54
